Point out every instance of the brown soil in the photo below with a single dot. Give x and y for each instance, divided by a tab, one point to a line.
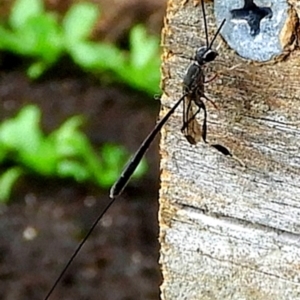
119	260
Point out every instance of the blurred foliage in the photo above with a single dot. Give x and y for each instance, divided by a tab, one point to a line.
65	153
35	33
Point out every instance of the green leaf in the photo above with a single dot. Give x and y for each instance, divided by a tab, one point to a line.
141	71
23	10
3	152
77	170
66	152
97	57
9	40
143	48
42	37
23	138
73	151
22	133
79	21
43	161
68	140
36	69
7	181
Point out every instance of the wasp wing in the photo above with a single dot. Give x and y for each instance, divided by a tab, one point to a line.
190	128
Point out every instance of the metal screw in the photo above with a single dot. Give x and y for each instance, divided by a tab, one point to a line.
256	30
252	14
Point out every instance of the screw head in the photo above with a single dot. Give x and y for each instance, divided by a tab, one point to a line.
258	30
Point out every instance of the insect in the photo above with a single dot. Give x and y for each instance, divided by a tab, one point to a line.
193	92
193	88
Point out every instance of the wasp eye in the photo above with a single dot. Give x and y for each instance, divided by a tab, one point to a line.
204	55
210	56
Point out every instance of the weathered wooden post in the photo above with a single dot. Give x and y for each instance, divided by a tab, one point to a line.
228	230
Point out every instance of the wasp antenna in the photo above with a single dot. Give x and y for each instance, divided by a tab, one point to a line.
205	24
216	34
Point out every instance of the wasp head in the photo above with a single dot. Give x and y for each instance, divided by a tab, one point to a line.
205	55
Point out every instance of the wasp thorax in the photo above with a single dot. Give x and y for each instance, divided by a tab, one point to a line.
205	55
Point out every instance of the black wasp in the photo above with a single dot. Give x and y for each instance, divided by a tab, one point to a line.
193	89
193	93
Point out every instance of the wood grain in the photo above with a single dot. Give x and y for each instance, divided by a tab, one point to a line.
230	230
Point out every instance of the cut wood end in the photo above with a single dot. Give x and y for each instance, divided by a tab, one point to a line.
288	32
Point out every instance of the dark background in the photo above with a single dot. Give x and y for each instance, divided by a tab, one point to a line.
45	219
